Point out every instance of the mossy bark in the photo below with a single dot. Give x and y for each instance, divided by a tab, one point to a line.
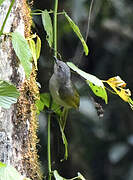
18	125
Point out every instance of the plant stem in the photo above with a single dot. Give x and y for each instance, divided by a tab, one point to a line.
9	10
48	146
49	116
55	28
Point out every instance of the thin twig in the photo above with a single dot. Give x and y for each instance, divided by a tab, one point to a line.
4	23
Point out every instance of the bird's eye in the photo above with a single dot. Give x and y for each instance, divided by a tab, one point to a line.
59	66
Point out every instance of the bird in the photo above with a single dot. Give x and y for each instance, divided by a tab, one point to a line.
61	87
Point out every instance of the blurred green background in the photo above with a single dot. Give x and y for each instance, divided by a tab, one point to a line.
100	148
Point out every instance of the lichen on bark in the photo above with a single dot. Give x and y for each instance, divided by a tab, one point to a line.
19	124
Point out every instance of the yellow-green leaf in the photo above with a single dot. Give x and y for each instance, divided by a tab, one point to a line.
130	101
78	33
118	85
33	51
38	47
33	48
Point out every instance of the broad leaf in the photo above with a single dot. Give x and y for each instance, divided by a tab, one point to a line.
8	94
47	24
22	50
45	102
78	33
9	173
98	90
45	98
95	84
39	106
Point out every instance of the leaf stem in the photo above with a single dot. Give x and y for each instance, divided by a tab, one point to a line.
9	10
50	12
39	12
48	146
55	27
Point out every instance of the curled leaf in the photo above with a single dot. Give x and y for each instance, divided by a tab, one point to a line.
35	48
118	85
38	47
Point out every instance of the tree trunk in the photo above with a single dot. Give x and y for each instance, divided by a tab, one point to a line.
18	124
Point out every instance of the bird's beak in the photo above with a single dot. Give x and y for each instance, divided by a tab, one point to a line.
56	60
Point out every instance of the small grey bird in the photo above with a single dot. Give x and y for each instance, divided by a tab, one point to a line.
61	88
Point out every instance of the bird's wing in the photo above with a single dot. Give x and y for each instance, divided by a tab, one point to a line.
69	95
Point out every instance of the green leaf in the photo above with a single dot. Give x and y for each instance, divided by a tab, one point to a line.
22	50
64	139
78	33
98	90
9	173
2	164
1	1
95	84
130	101
45	98
45	101
38	47
47	24
8	94
39	105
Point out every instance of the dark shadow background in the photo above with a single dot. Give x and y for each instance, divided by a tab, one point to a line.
99	148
